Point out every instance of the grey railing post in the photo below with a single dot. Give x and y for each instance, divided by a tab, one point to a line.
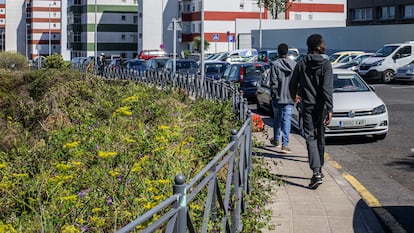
236	193
181	204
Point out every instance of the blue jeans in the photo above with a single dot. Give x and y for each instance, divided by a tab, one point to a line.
281	121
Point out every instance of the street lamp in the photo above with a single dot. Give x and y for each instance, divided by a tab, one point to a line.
260	24
95	43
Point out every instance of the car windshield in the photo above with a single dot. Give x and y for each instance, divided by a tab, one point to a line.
348	83
161	62
385	51
333	57
215	68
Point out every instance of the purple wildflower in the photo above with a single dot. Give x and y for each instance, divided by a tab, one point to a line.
110	201
120	178
82	193
127	182
97	147
85	228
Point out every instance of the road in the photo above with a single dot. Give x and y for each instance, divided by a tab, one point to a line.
385	168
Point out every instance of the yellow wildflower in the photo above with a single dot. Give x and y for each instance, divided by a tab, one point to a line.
129	140
161	139
163	127
63	167
96	210
136	168
97	221
3	165
69	198
148	205
71	144
152	190
20	175
7	228
130	99
164	181
114	173
106	155
76	163
126	111
70	229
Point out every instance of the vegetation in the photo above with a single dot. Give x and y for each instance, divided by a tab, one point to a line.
55	61
82	154
276	6
10	60
197	44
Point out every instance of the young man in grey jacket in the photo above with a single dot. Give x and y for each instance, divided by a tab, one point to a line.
280	74
312	81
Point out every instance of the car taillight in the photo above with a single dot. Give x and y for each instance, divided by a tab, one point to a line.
267	59
241	74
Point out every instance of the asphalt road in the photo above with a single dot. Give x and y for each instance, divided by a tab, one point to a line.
385	168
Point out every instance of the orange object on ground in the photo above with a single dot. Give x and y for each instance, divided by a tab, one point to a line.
257	123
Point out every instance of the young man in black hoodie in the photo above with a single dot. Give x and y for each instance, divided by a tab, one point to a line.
280	74
312	81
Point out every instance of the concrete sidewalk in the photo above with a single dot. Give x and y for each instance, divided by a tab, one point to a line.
334	207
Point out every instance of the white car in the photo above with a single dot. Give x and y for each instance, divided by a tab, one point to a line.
357	110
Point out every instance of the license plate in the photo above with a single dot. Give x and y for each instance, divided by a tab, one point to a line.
351	123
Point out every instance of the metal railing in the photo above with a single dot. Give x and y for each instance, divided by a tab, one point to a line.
222	184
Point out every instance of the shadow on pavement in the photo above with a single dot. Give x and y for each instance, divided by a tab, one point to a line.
280	156
404	163
349	140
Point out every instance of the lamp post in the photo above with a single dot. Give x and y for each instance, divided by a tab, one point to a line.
95	44
260	24
50	38
202	40
27	43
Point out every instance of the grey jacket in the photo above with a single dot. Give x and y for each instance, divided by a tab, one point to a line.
281	71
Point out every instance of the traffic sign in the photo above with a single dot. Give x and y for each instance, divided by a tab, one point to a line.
230	38
216	37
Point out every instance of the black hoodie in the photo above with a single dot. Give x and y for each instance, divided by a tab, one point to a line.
312	80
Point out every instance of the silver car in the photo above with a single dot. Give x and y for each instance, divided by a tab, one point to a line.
405	73
357	110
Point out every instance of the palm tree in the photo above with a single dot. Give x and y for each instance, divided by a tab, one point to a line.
276	6
197	44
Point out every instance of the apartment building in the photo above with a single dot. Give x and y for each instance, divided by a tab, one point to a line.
221	28
383	12
2	24
102	26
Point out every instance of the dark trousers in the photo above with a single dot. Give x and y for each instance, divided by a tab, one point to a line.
314	134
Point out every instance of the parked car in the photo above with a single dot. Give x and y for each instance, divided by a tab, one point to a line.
357	110
336	57
246	75
271	55
354	63
156	64
182	66
148	54
384	62
139	65
215	69
405	73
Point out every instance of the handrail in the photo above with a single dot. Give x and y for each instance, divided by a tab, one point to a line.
223	201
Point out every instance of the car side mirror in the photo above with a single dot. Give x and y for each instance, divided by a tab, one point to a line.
396	56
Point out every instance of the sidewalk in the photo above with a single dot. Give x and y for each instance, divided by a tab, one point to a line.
335	207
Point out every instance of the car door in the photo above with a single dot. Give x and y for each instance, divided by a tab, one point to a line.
263	94
402	56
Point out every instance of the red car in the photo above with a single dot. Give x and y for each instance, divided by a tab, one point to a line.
148	54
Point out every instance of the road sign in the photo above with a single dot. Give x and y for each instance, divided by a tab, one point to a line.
216	37
230	38
177	24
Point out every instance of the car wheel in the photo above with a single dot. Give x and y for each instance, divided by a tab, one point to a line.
380	136
388	76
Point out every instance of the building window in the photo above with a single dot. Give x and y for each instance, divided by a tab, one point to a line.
140	36
140	15
76	37
361	14
123	17
310	16
298	17
135	19
408	11
123	37
77	2
241	5
386	12
77	19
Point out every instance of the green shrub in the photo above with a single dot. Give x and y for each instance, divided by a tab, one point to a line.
10	60
54	61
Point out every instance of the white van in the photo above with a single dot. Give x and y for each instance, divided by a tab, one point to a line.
383	63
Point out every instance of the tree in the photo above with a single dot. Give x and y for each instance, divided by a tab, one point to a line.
197	44
276	6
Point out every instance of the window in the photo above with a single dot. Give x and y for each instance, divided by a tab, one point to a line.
408	11
298	17
386	12
361	14
140	36
77	18
140	15
76	37
241	5
310	16
123	17
135	19
77	2
123	37
404	52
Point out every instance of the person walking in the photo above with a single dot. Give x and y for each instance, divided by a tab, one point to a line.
312	81
280	74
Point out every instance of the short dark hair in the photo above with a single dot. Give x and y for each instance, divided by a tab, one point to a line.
313	42
282	49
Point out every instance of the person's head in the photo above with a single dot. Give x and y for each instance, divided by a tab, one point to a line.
316	44
282	49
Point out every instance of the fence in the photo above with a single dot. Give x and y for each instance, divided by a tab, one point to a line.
225	178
